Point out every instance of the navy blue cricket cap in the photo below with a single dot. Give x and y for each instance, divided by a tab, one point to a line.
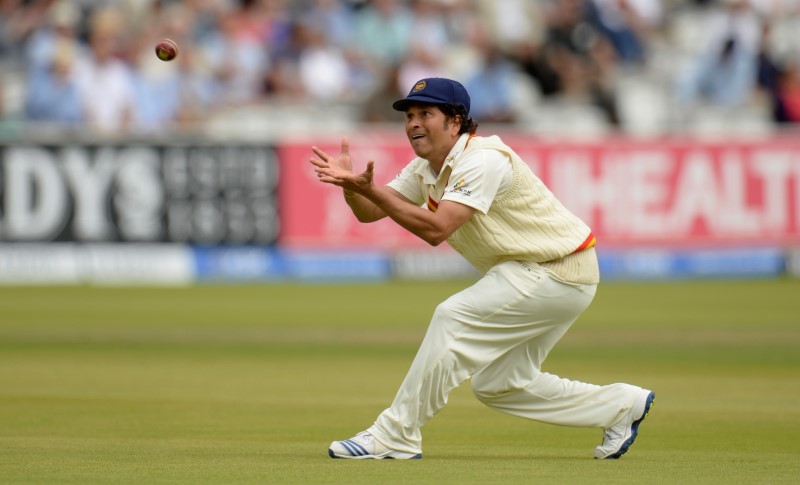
435	90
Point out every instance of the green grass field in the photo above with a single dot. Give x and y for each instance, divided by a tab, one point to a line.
249	384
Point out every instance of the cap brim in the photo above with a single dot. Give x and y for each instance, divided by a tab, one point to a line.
403	104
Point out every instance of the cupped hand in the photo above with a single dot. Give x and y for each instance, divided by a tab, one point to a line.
338	170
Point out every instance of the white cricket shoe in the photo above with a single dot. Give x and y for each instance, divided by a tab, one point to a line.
619	437
365	446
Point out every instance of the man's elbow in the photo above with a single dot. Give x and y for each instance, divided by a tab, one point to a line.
435	238
364	218
367	216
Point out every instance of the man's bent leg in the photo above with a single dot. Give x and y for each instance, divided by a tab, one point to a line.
514	384
467	332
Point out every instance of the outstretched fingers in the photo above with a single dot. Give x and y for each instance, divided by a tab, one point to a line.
318	163
320	153
333	170
326	175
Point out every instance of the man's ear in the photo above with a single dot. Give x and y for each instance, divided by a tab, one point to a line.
456	121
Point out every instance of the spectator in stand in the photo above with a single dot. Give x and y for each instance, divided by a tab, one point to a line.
51	53
776	10
9	37
323	69
169	93
516	27
419	63
628	24
105	83
428	45
429	30
283	75
276	25
19	19
204	17
61	27
460	17
492	85
724	71
513	24
788	92
575	62
237	57
383	31
769	77
378	106
333	19
52	95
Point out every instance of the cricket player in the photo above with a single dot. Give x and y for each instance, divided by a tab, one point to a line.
539	273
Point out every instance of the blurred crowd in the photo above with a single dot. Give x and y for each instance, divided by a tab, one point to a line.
90	64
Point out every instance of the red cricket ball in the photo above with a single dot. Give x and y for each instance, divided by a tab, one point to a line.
167	49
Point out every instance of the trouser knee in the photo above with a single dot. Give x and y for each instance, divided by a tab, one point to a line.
492	386
486	391
447	310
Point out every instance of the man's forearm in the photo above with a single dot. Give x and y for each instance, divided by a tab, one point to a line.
364	209
418	221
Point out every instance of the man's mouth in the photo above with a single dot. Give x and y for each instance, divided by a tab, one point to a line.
417	136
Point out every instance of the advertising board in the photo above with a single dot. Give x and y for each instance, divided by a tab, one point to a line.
200	194
632	193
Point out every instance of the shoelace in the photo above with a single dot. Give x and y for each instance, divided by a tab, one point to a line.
364	438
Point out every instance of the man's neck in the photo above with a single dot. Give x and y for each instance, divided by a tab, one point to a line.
436	167
437	163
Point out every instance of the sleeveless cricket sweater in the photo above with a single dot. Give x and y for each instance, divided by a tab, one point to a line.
526	224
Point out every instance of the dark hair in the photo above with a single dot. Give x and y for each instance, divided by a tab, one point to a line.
468	125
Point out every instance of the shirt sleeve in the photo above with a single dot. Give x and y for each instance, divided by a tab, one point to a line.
407	183
478	178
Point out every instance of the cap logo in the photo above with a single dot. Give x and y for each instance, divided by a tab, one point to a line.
419	86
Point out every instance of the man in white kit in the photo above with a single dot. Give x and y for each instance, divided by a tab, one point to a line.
539	273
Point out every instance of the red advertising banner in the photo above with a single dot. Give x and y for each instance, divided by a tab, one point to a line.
315	215
630	192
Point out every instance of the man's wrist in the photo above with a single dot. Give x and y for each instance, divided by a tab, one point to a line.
349	194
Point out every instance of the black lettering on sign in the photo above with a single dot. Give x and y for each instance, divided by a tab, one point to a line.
190	194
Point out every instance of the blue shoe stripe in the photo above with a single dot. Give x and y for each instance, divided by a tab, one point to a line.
355	450
358	448
347	446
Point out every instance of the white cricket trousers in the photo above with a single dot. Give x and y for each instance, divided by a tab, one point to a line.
498	332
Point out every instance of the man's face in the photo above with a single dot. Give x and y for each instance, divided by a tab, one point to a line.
431	134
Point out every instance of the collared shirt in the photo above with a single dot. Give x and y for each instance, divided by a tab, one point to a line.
517	218
477	179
